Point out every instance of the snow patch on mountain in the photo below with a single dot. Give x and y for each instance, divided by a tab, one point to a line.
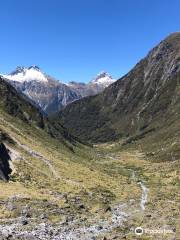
49	94
103	78
22	74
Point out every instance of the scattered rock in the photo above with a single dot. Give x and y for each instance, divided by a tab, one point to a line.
99	228
108	209
6	234
24	221
10	206
81	206
43	216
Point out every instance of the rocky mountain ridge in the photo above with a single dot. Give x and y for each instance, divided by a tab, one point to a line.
49	94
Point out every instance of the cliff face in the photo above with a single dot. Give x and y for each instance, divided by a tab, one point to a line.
5	169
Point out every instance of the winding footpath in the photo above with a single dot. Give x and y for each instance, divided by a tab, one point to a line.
75	230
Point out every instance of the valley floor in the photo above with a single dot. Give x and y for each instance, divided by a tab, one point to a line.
89	193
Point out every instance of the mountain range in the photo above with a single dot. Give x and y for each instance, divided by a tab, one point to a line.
49	94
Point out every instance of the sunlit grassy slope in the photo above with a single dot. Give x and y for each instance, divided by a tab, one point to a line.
43	165
45	170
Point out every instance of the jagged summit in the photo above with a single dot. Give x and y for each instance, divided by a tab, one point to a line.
22	69
24	74
19	69
103	74
35	67
103	78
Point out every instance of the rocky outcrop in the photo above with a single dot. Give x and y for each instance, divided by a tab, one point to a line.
5	169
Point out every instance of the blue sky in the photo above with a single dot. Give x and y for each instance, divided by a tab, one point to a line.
75	39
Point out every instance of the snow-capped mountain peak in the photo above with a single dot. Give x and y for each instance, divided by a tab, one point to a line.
23	74
34	67
19	69
103	78
48	93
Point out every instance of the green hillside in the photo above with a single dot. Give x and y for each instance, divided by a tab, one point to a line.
52	186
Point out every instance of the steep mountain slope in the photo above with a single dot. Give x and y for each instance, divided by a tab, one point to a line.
147	99
19	107
49	94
